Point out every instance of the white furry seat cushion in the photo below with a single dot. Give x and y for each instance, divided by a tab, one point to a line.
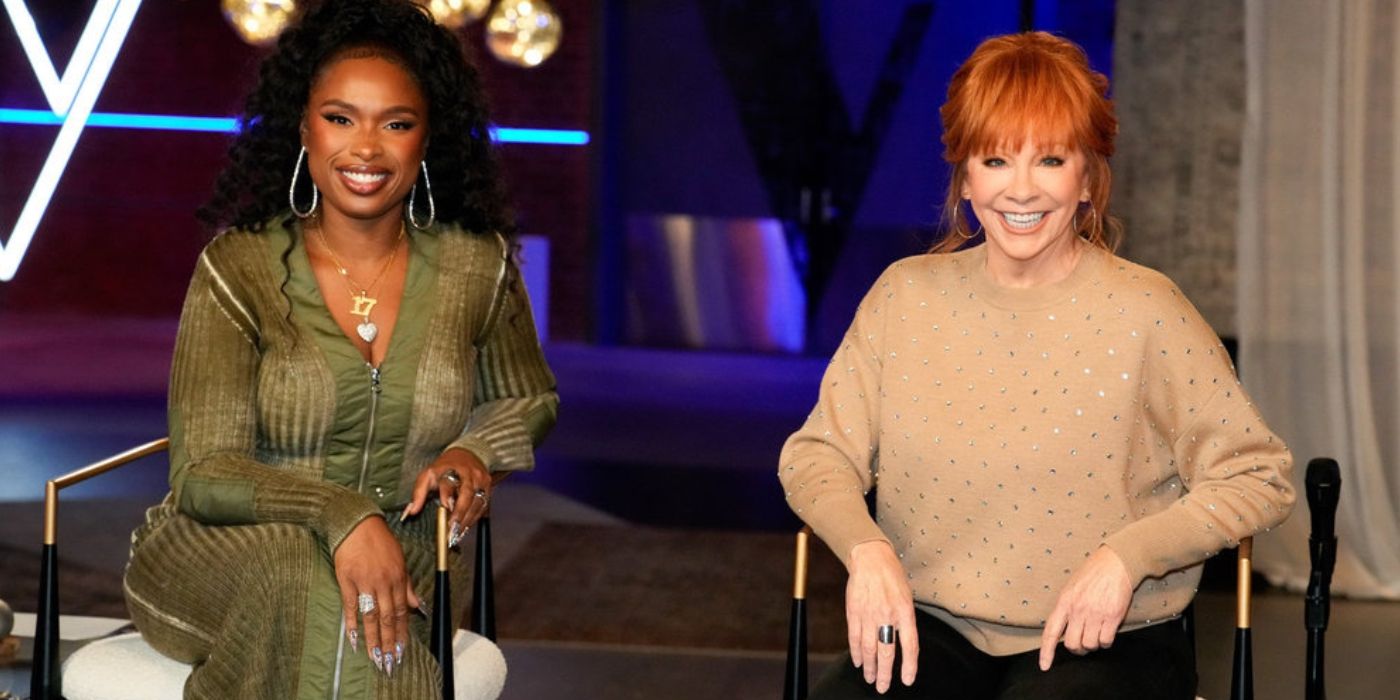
124	667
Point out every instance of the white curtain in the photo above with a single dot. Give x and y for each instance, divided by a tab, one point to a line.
1319	268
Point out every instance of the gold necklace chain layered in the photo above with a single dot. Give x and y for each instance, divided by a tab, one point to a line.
362	304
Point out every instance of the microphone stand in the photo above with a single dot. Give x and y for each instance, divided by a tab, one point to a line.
1324	489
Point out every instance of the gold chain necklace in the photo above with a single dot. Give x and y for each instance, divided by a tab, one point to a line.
362	302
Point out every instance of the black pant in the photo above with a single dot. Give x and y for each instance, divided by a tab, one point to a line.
1154	663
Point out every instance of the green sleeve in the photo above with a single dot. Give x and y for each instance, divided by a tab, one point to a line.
515	402
214	473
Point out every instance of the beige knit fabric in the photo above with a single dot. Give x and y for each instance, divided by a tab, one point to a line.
280	446
1014	431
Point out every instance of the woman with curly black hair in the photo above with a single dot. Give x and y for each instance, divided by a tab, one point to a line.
355	342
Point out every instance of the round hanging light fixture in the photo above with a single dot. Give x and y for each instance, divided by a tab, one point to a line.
523	32
259	21
455	13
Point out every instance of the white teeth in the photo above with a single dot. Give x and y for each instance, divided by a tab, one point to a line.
364	177
1022	220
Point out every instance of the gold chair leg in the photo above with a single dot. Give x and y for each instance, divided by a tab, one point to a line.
45	682
440	641
1242	677
795	681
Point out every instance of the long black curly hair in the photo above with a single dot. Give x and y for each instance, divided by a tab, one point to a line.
252	190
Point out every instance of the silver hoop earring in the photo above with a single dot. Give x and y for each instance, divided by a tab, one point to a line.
292	191
413	195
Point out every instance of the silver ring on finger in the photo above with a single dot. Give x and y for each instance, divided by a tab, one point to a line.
480	493
450	476
886	634
366	603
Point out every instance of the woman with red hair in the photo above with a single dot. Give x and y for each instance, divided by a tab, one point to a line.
1059	438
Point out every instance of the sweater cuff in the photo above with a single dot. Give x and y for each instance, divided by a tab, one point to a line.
1153	547
480	448
343	511
843	524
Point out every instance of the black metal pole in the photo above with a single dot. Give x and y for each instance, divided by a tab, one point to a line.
45	683
1242	679
1316	612
795	680
444	626
1323	486
440	642
483	590
1316	688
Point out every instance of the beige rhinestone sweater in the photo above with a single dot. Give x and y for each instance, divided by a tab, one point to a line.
1014	431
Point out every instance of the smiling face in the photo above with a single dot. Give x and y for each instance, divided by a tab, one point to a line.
365	130
1026	199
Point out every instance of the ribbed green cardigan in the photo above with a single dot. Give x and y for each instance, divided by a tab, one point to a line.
283	440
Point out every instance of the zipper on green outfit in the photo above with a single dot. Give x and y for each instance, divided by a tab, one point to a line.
374	389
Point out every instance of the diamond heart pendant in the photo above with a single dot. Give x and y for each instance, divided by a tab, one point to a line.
368	331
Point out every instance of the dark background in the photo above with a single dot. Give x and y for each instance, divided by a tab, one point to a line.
643	77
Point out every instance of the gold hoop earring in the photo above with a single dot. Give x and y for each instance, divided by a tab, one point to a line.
1093	215
969	236
959	229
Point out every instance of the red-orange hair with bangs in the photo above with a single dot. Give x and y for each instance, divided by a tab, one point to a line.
1037	86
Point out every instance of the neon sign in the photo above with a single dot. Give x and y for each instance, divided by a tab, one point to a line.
70	96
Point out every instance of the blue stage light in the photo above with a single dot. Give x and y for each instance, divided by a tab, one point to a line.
556	137
163	121
173	122
40	117
44	117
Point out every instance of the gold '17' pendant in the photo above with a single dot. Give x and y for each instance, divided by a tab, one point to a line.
363	305
366	329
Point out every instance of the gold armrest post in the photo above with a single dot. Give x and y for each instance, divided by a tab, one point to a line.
45	682
1242	672
1244	583
795	673
78	476
799	573
443	626
442	539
